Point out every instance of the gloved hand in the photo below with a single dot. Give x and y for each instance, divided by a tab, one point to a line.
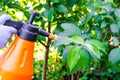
6	32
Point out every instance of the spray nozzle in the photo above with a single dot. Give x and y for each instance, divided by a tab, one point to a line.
44	33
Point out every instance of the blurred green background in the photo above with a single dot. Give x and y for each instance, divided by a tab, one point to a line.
87	46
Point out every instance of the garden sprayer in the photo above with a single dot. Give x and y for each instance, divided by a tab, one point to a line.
17	61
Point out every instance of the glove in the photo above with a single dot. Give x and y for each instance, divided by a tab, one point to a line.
6	32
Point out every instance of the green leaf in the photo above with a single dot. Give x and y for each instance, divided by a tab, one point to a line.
99	33
104	24
115	41
41	38
115	68
114	28
65	53
108	7
60	40
93	50
77	39
106	44
91	6
114	55
63	9
117	12
14	5
0	5
97	44
73	57
7	2
118	23
86	35
88	18
49	13
109	17
71	29
84	60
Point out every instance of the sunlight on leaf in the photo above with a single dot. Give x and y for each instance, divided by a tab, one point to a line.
77	39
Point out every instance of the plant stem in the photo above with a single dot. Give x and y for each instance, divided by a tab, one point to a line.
45	63
72	77
47	49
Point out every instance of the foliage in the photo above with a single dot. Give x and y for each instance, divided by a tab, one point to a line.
87	36
54	70
95	35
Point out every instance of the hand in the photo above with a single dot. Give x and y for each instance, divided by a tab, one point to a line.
6	32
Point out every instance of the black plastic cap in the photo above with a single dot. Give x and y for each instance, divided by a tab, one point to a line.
28	32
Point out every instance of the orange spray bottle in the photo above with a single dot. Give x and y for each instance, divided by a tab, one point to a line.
17	61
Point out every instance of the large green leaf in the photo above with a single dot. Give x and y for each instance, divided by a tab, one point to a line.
71	29
73	57
60	40
84	60
114	55
93	50
96	43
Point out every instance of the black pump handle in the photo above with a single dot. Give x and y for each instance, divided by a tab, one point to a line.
15	24
33	15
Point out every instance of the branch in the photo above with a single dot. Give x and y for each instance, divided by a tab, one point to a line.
42	43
